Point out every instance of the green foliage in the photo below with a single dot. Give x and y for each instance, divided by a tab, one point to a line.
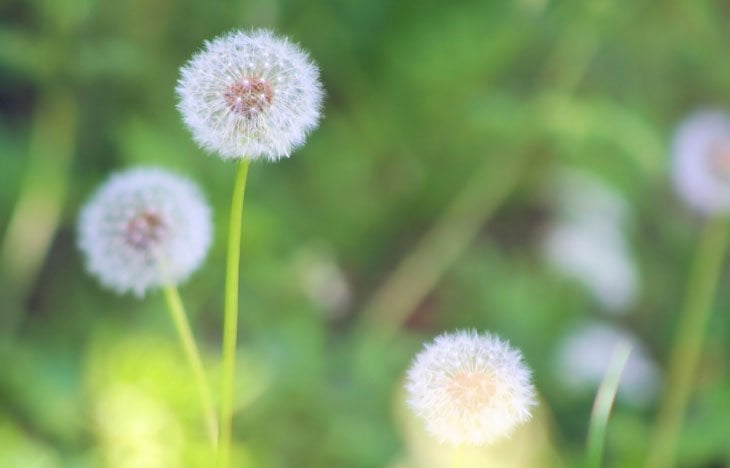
420	96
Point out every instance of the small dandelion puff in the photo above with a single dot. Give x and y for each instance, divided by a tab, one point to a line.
250	95
470	388
143	228
701	161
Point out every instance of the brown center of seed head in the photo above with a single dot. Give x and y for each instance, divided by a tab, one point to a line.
249	96
720	158
145	230
471	391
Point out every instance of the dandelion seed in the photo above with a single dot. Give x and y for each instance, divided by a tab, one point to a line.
250	95
470	388
142	228
701	161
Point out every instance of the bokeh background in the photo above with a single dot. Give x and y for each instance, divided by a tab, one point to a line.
508	160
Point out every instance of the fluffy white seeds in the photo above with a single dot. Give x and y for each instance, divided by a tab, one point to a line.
470	388
250	95
701	162
142	228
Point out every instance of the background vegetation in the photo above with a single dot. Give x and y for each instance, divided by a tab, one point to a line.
466	108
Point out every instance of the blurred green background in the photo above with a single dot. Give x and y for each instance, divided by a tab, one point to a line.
453	122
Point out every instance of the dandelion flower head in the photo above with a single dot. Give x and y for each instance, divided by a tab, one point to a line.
470	388
143	228
250	95
701	161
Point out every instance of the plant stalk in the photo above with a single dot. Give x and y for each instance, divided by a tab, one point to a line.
682	366
603	403
230	324
182	326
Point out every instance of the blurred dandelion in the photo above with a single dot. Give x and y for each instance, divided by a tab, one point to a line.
587	242
701	161
148	228
583	357
470	388
143	228
701	157
250	95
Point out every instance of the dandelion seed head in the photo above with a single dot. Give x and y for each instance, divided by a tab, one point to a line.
143	227
470	388
250	94
701	161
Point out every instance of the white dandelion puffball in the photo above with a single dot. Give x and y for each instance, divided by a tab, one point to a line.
470	388
250	95
701	162
143	228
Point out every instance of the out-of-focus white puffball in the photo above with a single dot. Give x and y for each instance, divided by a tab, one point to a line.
586	240
701	161
583	357
143	228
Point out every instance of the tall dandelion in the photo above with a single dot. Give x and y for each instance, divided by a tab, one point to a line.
246	96
701	171
469	388
145	229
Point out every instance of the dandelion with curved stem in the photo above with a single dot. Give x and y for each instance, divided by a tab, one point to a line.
469	388
246	96
145	229
701	163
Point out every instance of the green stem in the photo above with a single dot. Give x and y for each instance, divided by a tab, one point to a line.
448	238
230	325
179	318
37	212
604	402
702	285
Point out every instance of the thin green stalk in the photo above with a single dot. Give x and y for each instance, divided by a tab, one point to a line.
179	318
685	354
230	324
37	212
604	402
450	236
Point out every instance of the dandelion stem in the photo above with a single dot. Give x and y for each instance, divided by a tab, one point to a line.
604	402
230	325
685	353
184	332
441	246
37	212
